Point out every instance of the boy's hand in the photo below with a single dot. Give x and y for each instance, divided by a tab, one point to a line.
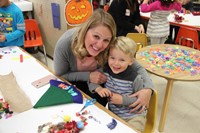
103	92
2	38
116	98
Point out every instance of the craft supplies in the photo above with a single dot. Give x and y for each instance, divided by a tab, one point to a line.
21	58
85	112
112	124
88	102
172	60
66	118
62	127
80	124
5	109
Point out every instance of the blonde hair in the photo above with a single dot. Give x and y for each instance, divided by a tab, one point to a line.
99	17
126	45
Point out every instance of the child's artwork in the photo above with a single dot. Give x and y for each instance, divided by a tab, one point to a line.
77	11
59	93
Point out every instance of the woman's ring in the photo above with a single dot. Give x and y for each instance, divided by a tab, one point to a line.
145	107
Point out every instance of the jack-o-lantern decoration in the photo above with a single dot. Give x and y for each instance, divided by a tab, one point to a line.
77	11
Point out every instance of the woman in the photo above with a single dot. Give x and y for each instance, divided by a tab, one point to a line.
127	17
81	51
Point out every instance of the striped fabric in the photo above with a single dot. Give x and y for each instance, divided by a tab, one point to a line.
122	87
158	25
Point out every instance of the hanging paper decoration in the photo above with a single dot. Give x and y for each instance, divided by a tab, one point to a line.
77	11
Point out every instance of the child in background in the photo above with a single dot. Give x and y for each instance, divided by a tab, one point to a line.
122	81
158	25
12	27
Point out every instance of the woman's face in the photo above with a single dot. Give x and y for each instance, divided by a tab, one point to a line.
97	39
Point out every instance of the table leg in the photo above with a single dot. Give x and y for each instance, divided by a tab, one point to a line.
165	104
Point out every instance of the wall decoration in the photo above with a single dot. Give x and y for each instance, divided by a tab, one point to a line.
77	11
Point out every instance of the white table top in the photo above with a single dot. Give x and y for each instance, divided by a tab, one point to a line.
24	5
27	122
189	19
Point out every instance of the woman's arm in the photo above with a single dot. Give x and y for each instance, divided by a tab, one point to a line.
141	71
143	95
64	60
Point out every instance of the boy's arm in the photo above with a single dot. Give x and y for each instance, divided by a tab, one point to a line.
121	99
92	87
20	29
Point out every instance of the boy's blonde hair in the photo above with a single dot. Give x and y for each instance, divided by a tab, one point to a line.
99	17
126	45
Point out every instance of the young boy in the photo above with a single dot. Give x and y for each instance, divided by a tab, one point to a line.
123	81
12	27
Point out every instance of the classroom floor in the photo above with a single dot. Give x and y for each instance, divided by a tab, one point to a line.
184	108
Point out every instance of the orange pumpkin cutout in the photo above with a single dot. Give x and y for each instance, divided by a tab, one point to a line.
77	11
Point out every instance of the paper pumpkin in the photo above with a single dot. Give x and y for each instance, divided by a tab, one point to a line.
59	93
77	11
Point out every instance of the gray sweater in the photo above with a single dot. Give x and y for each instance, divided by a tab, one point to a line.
65	62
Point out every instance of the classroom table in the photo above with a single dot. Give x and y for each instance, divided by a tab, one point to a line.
25	6
30	69
172	62
190	20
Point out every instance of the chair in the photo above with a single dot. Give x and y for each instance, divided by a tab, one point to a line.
33	36
188	37
139	38
152	114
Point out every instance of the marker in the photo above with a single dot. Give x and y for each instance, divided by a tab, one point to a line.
21	58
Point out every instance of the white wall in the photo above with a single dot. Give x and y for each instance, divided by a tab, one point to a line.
43	15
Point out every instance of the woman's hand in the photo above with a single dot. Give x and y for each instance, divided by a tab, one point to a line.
142	102
97	77
141	28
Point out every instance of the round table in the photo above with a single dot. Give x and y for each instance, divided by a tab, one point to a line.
172	62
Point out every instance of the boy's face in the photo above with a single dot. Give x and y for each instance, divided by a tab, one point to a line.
4	3
119	61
